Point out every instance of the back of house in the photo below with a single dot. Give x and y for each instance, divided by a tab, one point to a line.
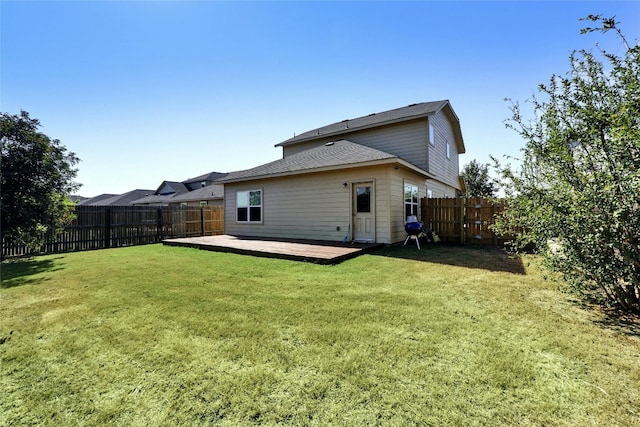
355	180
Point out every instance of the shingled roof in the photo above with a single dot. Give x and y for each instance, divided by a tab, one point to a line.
211	176
95	200
329	156
410	112
171	188
213	191
125	199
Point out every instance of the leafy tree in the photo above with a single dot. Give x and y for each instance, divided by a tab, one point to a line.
477	181
576	195
36	178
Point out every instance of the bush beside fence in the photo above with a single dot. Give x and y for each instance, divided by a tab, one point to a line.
100	227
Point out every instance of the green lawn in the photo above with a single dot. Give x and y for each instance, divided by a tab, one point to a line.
156	335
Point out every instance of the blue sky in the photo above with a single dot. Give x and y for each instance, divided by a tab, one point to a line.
149	91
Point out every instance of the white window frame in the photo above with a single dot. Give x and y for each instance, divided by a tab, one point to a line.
448	150
247	193
413	205
429	194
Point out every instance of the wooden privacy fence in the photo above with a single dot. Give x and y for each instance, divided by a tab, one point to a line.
99	227
463	220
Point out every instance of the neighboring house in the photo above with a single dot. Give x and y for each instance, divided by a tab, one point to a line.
210	195
353	180
163	195
202	191
125	199
191	192
203	180
187	193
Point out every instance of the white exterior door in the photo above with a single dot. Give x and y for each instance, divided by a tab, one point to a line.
364	224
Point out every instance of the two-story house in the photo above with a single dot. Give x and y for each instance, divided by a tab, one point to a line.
355	180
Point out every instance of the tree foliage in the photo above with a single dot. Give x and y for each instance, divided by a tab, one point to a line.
477	181
36	178
576	195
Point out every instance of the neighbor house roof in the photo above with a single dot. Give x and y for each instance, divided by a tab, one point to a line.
211	176
384	118
77	199
165	192
330	156
125	199
171	187
214	191
153	199
96	199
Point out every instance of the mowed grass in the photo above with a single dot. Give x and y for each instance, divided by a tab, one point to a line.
156	335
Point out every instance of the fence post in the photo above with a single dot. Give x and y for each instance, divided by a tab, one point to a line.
107	228
463	219
201	221
159	225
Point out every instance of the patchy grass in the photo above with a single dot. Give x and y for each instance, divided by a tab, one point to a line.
158	335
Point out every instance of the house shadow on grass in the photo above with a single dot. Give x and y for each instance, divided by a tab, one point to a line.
481	257
20	272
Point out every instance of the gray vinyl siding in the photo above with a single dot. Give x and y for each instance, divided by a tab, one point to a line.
409	141
313	206
406	140
445	169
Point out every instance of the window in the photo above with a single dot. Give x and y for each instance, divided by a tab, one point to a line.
448	150
203	203
429	194
363	199
249	206
410	200
432	135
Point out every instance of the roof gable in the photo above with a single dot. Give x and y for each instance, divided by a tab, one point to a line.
171	187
